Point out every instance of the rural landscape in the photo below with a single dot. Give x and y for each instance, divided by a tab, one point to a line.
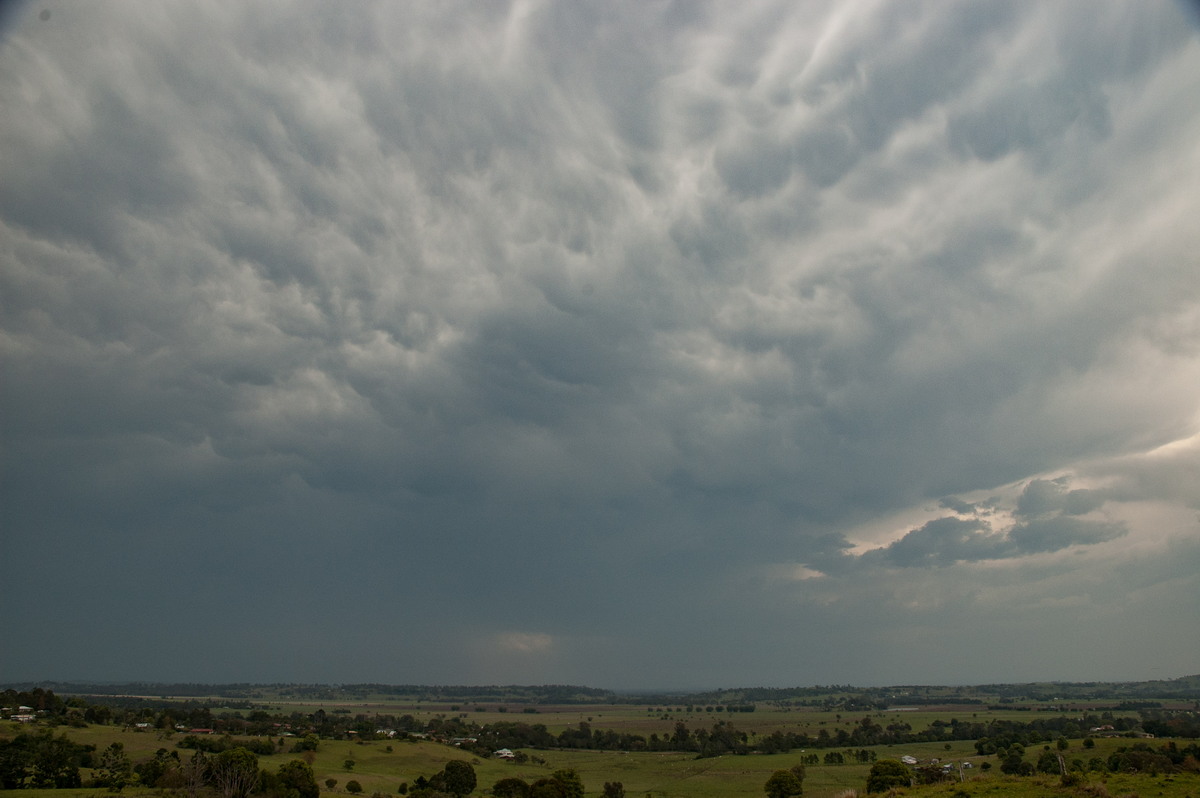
599	399
1077	740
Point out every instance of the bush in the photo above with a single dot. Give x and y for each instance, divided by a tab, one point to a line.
887	774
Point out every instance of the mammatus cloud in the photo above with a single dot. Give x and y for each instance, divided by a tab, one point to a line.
460	320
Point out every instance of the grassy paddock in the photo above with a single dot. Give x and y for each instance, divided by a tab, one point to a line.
644	775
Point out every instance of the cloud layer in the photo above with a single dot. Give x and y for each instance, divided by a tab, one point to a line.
607	344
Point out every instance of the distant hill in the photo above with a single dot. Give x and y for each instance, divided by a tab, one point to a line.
1182	688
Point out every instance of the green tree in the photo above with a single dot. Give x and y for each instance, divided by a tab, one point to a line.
1048	763
353	787
1013	765
560	784
886	774
783	784
331	783
613	789
161	771
511	787
195	773
572	784
115	769
309	742
55	762
297	779
234	772
458	777
14	762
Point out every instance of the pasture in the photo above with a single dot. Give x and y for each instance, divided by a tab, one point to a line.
381	766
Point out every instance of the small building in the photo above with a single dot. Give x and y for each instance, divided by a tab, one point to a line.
504	753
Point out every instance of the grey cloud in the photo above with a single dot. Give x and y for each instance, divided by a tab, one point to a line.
756	166
1046	517
1052	534
645	295
942	542
957	505
1030	118
1043	496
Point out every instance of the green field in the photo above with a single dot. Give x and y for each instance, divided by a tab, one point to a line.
381	766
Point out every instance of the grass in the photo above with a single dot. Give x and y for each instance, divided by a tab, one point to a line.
381	766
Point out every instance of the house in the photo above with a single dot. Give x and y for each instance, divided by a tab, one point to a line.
504	753
908	760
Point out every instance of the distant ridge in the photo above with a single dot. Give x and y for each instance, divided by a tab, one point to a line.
1181	688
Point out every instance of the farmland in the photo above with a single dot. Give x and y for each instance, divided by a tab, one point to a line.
386	742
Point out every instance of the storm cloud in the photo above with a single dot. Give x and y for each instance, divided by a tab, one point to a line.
629	344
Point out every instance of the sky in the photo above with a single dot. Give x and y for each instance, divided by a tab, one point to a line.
635	345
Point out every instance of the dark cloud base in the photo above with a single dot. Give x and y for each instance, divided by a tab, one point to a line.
530	342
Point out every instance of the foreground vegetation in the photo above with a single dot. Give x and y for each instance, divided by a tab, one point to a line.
332	742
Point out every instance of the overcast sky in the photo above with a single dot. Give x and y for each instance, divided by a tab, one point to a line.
634	345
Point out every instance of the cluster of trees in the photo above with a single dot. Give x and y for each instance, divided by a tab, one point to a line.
215	744
1141	757
37	699
44	760
1171	723
458	779
785	783
723	738
559	784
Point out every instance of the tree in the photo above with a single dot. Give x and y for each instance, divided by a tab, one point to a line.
511	787
886	774
235	772
161	771
14	762
115	768
458	777
309	742
297	779
561	784
1048	763
331	783
55	762
614	789
783	784
353	787
195	773
1013	765
572	784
